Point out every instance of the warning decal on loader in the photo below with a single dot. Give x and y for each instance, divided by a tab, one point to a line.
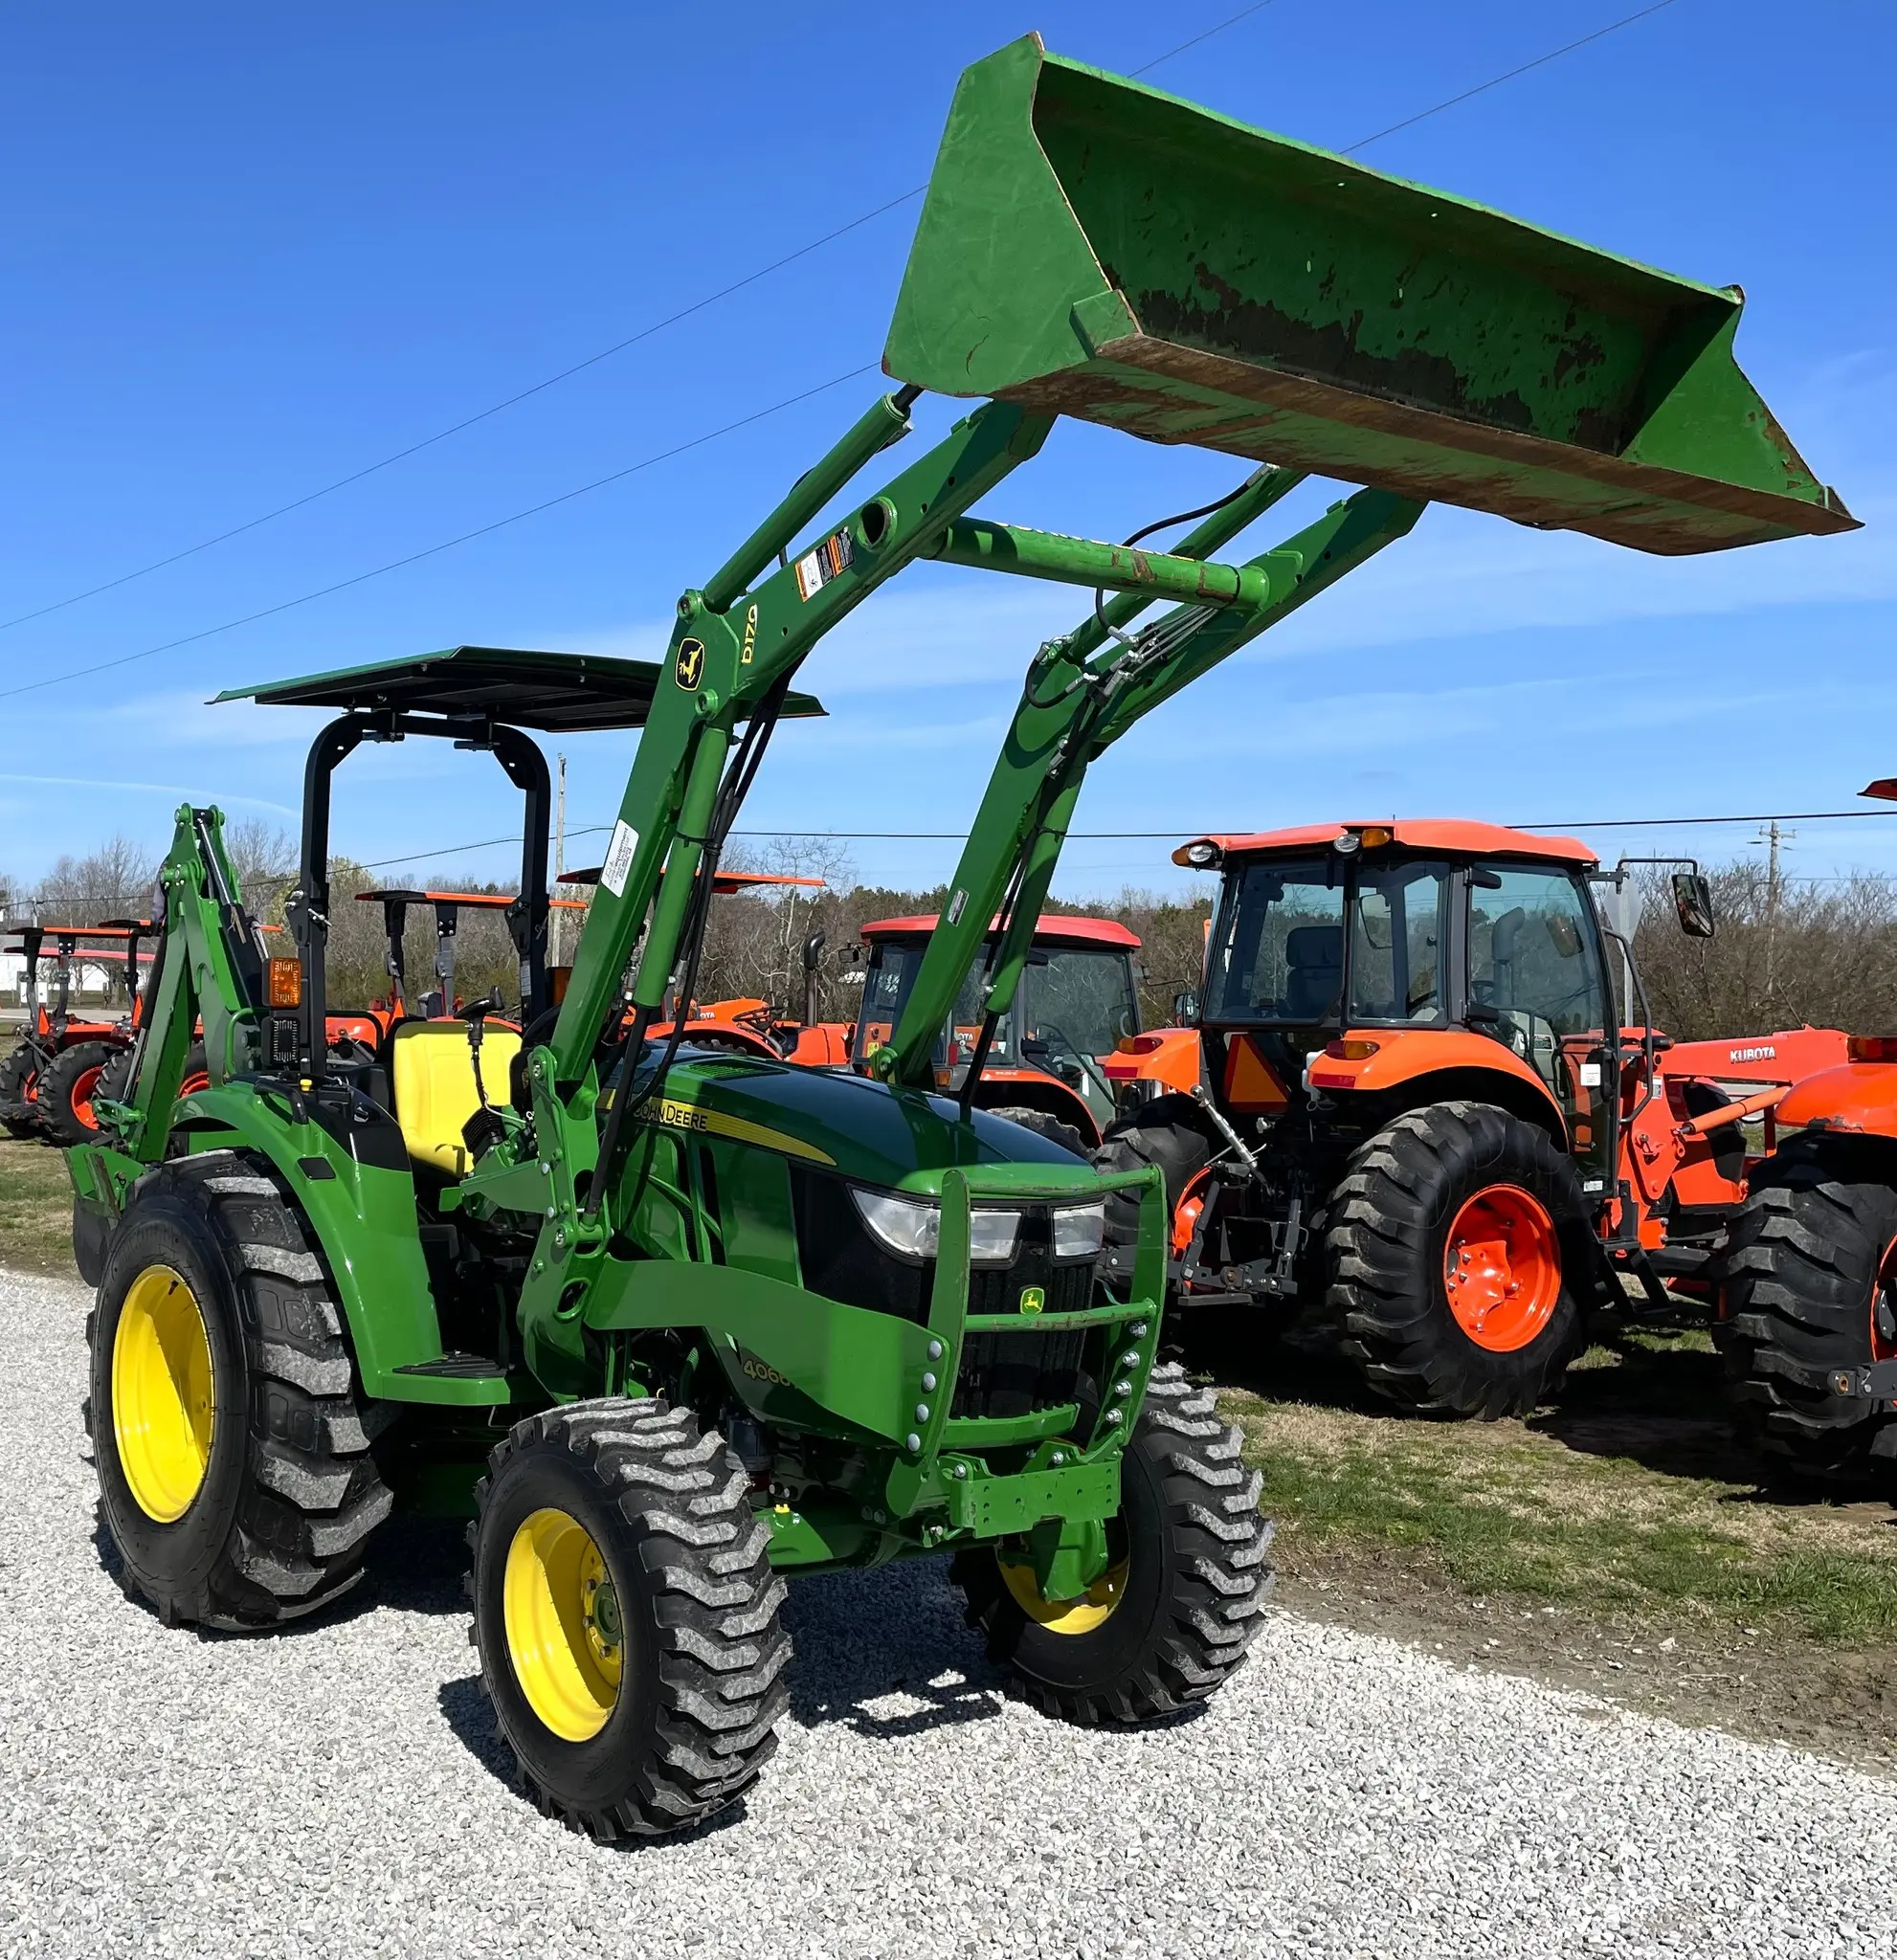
619	857
823	562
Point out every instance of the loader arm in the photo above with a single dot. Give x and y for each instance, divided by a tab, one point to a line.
1080	698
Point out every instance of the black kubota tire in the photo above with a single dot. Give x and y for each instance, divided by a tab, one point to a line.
66	1091
19	1087
1808	1292
286	1491
1193	1590
115	1079
1045	1125
1388	1244
1166	1131
684	1718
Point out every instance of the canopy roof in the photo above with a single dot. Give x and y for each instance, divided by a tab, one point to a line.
562	694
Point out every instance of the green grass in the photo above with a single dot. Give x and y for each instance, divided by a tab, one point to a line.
35	1209
1607	1503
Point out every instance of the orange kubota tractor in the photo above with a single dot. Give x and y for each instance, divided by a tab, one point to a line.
1060	1055
1422	1106
48	1081
1808	1322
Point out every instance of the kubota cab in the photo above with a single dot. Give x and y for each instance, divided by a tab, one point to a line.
1050	1064
1421	1104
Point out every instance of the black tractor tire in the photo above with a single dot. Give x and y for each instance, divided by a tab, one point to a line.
1194	1584
66	1091
689	1718
1386	1244
1045	1125
290	1491
1806	1295
19	1093
1167	1132
115	1079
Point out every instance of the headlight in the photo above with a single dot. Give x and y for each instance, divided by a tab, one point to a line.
911	1228
1077	1231
992	1236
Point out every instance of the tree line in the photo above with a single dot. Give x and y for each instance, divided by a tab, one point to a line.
1785	952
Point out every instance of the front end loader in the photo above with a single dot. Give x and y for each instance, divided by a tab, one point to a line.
673	1323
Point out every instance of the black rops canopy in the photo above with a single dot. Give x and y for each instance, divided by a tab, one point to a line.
562	694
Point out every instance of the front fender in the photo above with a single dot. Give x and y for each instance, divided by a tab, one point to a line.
1859	1098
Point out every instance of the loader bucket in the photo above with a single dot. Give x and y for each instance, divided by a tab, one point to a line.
1094	248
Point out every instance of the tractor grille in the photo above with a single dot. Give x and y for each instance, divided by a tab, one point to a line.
1017	1371
998	1289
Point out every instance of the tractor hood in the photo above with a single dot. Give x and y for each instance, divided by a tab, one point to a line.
868	1132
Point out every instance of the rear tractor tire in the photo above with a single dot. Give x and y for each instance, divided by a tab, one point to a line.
19	1093
1166	1131
66	1091
1810	1272
1460	1256
1172	1619
231	1437
626	1616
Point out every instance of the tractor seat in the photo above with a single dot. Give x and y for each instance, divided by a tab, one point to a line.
433	1080
1314	970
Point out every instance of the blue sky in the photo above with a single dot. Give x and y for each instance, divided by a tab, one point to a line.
249	250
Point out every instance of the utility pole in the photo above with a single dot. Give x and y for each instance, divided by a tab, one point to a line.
1773	837
557	930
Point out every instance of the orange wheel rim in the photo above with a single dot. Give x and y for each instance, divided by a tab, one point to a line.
1502	1268
193	1082
84	1090
1884	1307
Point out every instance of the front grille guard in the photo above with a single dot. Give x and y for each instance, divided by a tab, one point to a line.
944	1453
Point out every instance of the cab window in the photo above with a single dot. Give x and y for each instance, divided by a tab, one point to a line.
1533	969
1280	951
1396	935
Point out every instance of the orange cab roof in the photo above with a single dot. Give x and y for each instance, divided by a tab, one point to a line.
1457	837
1056	925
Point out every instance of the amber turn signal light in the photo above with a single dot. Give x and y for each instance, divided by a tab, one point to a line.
1350	1050
283	983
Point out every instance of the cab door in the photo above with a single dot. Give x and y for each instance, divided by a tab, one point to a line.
1537	984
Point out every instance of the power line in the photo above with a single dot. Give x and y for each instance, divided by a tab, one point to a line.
1178	833
1600	34
620	346
446	545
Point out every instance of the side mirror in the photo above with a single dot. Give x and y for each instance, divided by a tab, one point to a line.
1693	900
1185	1007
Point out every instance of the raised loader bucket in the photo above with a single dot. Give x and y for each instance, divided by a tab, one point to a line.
1094	248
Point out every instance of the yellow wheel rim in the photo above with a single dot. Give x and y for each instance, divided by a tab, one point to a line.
565	1640
1093	1608
162	1393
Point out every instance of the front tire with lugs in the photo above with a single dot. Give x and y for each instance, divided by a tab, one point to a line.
230	1432
1171	1621
626	1616
66	1090
1810	1272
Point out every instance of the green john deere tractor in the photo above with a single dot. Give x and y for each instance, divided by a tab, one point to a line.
671	1324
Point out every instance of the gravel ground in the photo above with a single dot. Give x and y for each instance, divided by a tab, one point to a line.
337	1790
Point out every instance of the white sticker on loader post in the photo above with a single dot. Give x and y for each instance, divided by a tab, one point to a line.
618	857
1590	1075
